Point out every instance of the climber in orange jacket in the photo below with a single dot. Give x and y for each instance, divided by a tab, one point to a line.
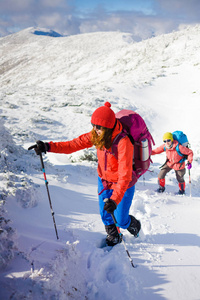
173	162
115	176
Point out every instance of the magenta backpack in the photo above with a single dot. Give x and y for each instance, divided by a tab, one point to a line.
135	128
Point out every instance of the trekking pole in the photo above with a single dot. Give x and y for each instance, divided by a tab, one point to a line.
46	183
190	182
123	240
143	179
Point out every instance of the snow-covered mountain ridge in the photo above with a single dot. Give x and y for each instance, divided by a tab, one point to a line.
76	59
49	87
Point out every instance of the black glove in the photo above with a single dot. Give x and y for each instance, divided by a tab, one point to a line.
109	206
40	147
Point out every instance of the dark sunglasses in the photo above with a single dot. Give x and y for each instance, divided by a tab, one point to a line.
165	141
97	126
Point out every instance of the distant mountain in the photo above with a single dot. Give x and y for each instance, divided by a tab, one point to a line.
34	56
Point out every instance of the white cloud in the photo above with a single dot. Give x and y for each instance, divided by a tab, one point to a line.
188	9
64	17
11	7
48	20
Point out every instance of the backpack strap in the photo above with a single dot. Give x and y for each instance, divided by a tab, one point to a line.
179	153
115	143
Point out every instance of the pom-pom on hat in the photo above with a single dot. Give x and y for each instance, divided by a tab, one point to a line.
104	116
168	136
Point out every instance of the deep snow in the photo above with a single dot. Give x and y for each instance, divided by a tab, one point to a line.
49	88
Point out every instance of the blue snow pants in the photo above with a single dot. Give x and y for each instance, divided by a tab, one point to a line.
121	213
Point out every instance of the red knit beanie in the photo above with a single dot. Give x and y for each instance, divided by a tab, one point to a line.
104	116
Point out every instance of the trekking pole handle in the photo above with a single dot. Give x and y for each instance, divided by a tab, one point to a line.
41	159
115	221
190	183
189	176
43	169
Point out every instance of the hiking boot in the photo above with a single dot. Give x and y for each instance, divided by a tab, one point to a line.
113	238
161	184
112	241
134	226
181	192
181	188
161	189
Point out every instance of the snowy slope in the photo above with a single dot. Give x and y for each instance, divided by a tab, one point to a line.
49	88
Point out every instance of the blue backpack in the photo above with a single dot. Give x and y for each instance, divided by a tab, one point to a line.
182	139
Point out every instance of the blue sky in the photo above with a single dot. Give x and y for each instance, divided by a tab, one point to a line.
142	18
117	5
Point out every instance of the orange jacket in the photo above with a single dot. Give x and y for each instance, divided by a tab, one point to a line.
116	172
173	156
